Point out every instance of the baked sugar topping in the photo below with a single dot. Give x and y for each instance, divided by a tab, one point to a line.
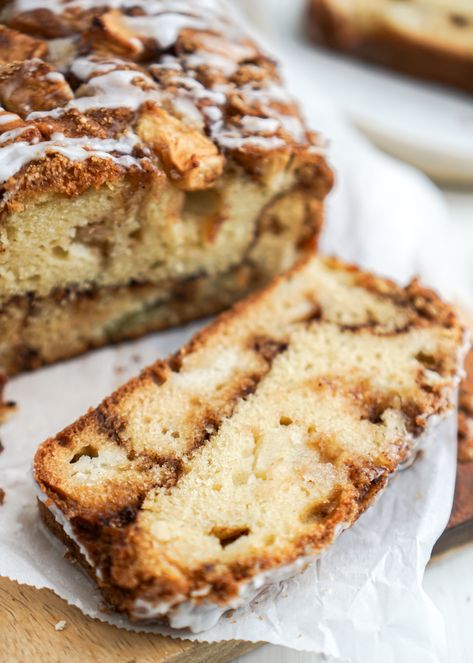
185	58
17	154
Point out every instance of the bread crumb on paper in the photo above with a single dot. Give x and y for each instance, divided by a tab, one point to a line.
2	496
60	626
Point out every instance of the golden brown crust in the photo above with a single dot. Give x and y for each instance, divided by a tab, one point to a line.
107	524
386	46
15	46
189	158
250	118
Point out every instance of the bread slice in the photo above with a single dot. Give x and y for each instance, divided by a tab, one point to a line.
147	153
240	458
431	39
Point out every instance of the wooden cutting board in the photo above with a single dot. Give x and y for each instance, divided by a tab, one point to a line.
27	634
460	526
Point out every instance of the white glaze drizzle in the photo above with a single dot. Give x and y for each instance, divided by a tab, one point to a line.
149	6
15	155
54	77
6	118
13	134
264	125
109	83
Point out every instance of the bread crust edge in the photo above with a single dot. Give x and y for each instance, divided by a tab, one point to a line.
328	27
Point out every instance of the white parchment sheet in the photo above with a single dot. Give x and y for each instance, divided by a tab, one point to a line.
363	601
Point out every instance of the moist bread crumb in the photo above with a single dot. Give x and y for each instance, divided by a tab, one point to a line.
465	414
240	458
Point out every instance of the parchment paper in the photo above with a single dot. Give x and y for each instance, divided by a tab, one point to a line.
363	601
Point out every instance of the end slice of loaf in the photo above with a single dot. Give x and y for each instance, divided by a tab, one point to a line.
238	459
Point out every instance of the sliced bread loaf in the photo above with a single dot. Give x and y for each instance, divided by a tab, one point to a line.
240	458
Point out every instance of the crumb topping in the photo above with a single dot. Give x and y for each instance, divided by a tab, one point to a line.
91	78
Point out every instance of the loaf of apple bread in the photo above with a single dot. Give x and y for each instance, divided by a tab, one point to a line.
430	39
153	169
239	459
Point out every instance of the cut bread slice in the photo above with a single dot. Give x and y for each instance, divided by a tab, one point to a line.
240	458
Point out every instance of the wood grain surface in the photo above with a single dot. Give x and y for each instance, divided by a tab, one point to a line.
27	635
460	526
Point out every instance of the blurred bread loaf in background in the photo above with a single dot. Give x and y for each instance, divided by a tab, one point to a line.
430	39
